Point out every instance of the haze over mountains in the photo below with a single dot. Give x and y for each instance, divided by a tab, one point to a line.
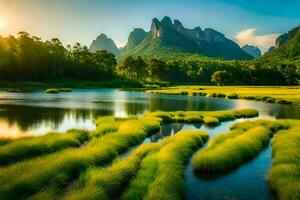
167	36
252	50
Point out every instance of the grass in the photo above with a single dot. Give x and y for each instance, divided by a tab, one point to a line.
52	91
206	117
55	171
161	174
231	150
25	148
106	183
274	94
284	176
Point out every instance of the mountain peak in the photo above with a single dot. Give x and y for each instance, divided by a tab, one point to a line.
167	21
166	35
102	42
252	50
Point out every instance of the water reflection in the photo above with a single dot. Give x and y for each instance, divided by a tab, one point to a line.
36	112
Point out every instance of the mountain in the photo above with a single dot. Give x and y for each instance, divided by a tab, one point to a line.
287	48
252	50
135	38
102	42
167	37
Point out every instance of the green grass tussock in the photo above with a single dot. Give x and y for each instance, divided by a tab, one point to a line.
226	152
57	170
25	148
284	176
4	141
207	117
107	183
161	174
52	91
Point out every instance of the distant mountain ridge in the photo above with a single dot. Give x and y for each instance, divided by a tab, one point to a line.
252	50
102	42
287	47
167	37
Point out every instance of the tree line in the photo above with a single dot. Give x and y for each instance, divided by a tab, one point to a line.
28	58
202	70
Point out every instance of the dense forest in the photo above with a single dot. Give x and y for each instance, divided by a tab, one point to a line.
28	58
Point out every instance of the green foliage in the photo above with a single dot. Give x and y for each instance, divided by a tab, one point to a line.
25	148
55	171
232	150
284	176
52	90
28	58
221	77
161	174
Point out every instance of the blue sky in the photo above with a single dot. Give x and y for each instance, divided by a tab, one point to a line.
246	21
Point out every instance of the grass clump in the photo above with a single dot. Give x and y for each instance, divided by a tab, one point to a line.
52	91
226	152
207	117
55	171
284	176
107	183
25	148
211	120
161	174
232	96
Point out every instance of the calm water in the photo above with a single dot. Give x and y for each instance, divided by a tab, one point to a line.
36	113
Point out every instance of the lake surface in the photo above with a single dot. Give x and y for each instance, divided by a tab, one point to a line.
35	113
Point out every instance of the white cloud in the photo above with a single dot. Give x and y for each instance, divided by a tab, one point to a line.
248	36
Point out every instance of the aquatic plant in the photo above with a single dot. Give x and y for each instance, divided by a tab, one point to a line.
55	171
207	117
52	90
161	174
231	150
284	176
106	183
29	147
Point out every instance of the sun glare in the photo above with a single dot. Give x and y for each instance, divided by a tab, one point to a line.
2	24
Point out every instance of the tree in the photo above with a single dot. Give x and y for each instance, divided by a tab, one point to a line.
221	77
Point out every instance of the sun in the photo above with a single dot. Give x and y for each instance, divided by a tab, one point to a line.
2	24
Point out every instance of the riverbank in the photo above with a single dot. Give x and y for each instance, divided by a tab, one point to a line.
23	86
269	94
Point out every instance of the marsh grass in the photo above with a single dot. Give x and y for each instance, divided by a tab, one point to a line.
206	117
284	176
107	183
231	150
280	95
26	148
52	91
161	174
54	172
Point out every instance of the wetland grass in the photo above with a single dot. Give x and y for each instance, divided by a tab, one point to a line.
206	117
161	174
107	183
54	172
231	150
284	176
26	148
